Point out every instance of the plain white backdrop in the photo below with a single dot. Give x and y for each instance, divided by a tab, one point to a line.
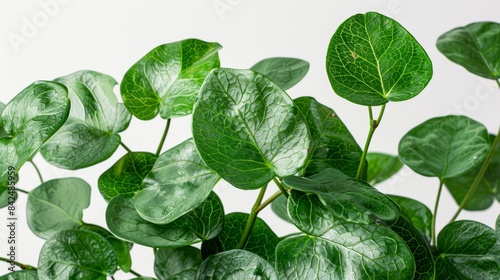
46	39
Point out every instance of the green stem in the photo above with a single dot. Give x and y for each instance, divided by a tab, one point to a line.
251	219
281	187
163	137
373	125
37	171
125	147
433	221
21	265
135	273
21	190
268	201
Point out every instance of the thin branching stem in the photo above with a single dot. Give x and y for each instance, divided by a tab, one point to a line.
281	187
251	219
268	201
21	265
21	190
163	137
135	273
37	171
436	205
125	147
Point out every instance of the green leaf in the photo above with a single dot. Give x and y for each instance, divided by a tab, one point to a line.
381	167
475	46
283	71
21	275
177	263
179	181
202	223
247	129
279	207
167	79
346	198
2	131
495	250
262	240
372	60
486	191
444	147
308	213
463	252
76	254
126	175
347	251
9	195
236	264
332	145
90	135
419	214
57	205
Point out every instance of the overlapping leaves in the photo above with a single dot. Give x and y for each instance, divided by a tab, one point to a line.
284	71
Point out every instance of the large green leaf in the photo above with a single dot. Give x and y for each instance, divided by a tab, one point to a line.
177	263
495	250
463	252
57	205
91	133
167	79
8	193
332	145
262	240
381	167
21	275
444	147
475	46
308	213
236	264
247	129
372	60
346	198
347	251
126	175
178	182
76	254
283	71
202	223
419	214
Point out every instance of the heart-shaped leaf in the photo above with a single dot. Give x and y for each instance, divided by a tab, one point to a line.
76	254
177	263
236	264
283	71
308	213
57	205
332	145
21	275
381	167
178	182
126	175
202	223
445	147
372	60
419	214
475	46
90	135
247	129
167	79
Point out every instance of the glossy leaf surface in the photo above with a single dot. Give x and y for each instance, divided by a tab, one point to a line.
283	71
247	129
177	263
308	213
372	60
444	147
279	207
419	214
2	131
167	79
381	167
21	275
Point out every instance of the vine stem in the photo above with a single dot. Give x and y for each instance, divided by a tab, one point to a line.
135	273
373	125
21	190
21	265
125	147
433	221
37	171
280	186
268	201
251	219
163	137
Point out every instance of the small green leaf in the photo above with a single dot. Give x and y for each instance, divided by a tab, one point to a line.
475	46
444	147
381	167
262	240
90	135
126	175
21	275
419	214
372	60
283	71
178	182
247	129
202	223
57	205
236	264
167	79
332	145
177	263
279	207
76	254
308	213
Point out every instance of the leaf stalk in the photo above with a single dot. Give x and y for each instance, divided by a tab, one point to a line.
251	219
434	214
163	137
21	265
373	125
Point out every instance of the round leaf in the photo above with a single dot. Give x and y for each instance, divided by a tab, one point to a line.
247	129
283	71
177	263
381	167
372	60
308	213
419	214
445	147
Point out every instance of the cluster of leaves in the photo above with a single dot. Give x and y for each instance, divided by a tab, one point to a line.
247	131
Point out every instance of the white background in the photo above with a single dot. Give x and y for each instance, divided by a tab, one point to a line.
43	41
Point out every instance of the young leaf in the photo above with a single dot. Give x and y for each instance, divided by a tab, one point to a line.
445	147
236	264
76	254
308	213
21	275
476	47
177	263
372	60
167	79
91	133
381	167
126	175
178	182
283	71
247	129
202	223
332	145
57	205
419	215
